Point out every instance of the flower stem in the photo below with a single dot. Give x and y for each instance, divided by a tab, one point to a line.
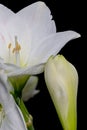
27	117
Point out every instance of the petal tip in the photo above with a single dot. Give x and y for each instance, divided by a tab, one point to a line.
41	3
76	35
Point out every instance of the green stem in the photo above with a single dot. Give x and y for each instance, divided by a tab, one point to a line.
28	118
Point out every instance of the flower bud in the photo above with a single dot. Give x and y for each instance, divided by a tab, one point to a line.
62	82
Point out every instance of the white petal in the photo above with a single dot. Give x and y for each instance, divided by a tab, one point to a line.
12	113
13	120
1	60
30	19
29	89
51	46
5	14
4	41
38	17
33	70
8	67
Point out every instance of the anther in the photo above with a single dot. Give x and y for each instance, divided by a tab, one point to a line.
9	45
17	45
13	50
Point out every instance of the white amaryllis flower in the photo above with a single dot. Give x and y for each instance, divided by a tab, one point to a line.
62	82
28	38
10	115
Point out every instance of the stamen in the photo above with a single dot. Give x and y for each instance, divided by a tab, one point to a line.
15	51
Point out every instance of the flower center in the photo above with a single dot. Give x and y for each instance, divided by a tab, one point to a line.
2	114
15	51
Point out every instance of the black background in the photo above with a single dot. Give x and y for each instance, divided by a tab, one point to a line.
68	15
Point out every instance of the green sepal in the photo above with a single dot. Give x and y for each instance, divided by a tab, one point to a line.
18	83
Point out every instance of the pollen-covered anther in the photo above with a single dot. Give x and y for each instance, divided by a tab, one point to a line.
13	50
17	48
9	45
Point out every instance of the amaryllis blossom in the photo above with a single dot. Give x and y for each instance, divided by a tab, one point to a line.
62	82
11	117
28	38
